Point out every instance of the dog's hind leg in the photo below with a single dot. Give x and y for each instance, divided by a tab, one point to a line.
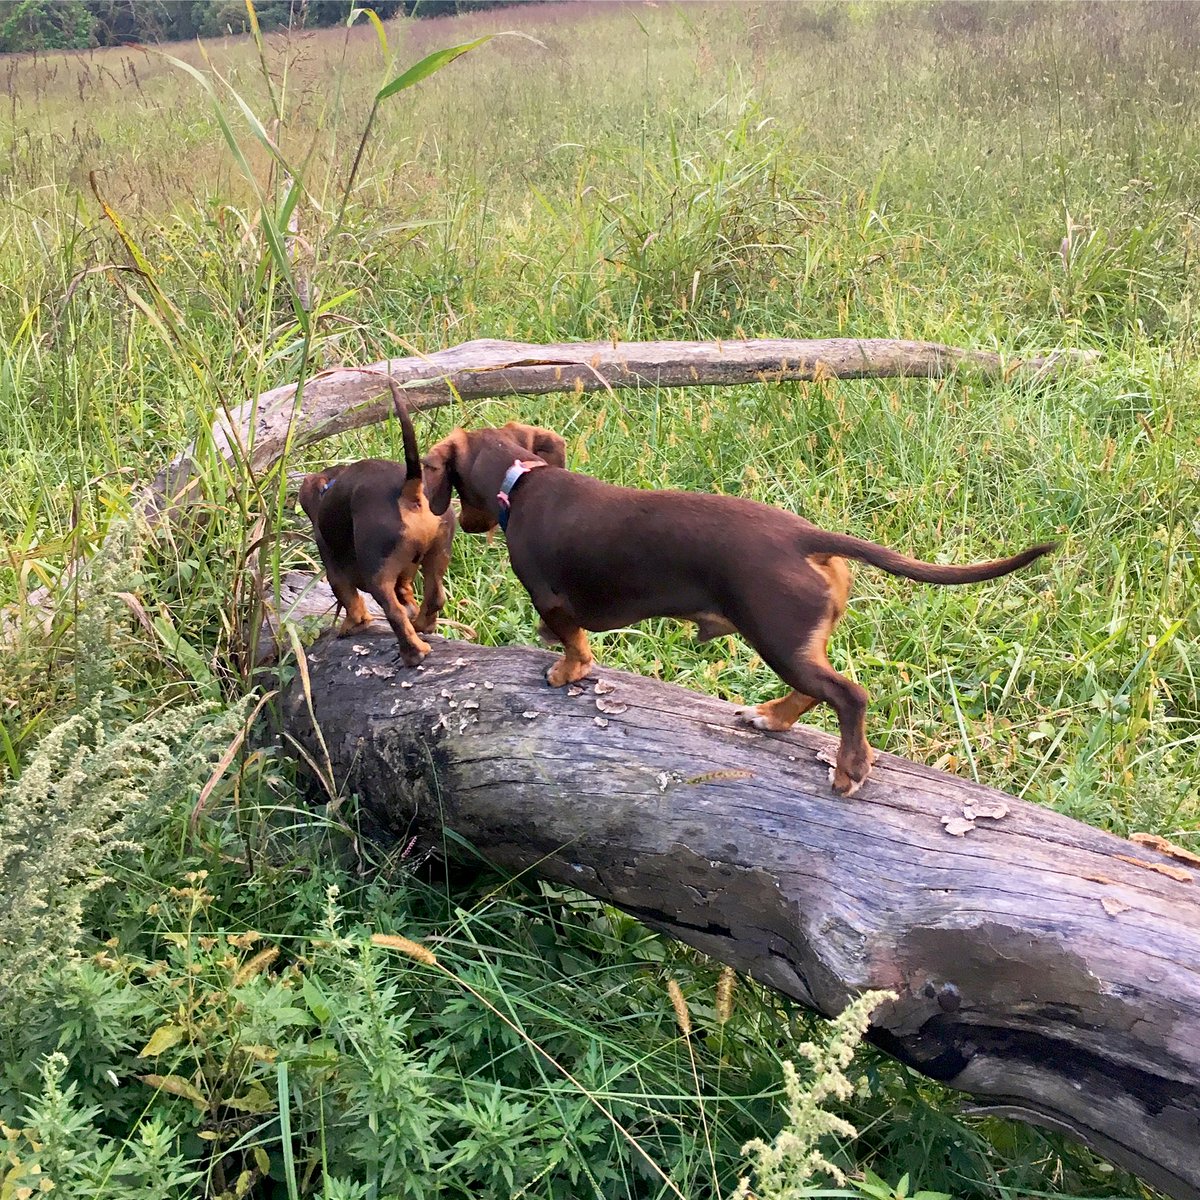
385	589
783	713
778	715
797	653
433	570
814	680
350	598
405	594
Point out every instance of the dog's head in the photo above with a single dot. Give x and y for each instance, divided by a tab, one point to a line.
450	466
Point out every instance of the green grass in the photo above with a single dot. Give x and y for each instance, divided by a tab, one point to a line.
684	171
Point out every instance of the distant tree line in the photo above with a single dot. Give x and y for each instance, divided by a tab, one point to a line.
81	24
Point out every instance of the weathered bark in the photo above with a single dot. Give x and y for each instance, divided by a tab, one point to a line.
335	401
1047	968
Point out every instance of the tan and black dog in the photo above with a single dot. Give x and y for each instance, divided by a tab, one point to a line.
374	530
594	556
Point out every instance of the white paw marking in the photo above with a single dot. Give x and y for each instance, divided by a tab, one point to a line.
749	716
855	784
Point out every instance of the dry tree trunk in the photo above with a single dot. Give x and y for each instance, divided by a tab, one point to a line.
347	398
255	436
1047	968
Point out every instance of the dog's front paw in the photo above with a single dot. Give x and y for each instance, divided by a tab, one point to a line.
412	652
351	625
568	670
762	717
847	777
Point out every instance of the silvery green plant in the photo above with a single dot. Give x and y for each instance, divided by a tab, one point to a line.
786	1167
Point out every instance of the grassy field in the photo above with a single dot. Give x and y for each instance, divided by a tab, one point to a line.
196	1007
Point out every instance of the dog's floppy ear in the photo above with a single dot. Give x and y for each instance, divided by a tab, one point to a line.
545	443
440	470
310	492
548	445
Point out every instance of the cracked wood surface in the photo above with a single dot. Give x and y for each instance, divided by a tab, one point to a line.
1036	968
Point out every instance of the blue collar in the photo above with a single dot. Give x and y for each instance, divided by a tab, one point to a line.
511	477
327	485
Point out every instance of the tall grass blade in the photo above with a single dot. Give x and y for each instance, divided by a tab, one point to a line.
373	17
430	64
283	1095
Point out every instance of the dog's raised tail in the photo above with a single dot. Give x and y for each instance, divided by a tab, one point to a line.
414	482
824	542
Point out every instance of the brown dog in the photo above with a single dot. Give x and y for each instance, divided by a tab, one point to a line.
594	556
374	529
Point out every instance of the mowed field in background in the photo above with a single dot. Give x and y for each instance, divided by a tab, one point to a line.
1015	177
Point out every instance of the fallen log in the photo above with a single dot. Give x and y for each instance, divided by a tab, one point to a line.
1047	968
257	434
261	431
